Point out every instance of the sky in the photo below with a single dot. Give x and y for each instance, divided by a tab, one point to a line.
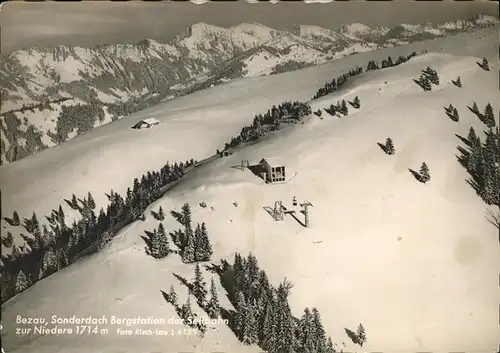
47	24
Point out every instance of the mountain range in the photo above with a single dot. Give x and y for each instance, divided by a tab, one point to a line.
50	95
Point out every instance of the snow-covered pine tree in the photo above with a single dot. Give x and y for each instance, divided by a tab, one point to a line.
163	239
307	336
425	83
199	286
329	346
286	339
105	238
343	107
424	173
22	282
472	137
15	219
62	258
455	117
475	108
213	308
458	82
161	214
74	202
188	252
172	295
488	116
49	263
205	248
389	146
485	65
361	335
357	102
90	201
8	240
250	326
239	315
269	328
371	66
434	77
186	312
319	334
158	245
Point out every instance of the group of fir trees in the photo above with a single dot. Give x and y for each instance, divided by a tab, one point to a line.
358	337
340	107
372	65
481	159
336	83
194	246
388	146
428	77
452	113
157	243
209	302
488	117
262	313
484	65
270	121
53	245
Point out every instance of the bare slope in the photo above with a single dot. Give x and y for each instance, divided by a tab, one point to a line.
416	263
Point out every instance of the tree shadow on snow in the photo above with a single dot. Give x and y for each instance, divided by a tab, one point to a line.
382	147
416	175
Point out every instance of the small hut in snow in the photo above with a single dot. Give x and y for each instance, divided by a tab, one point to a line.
145	123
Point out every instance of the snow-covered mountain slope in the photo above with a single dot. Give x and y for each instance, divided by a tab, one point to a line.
416	263
110	81
203	121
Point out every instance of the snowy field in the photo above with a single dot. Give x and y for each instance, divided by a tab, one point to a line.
416	263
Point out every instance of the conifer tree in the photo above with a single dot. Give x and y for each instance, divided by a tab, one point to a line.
199	285
188	252
239	315
90	201
49	262
250	326
8	240
74	202
158	246
475	109
472	137
204	247
424	173
356	103
389	146
489	117
105	238
458	82
22	282
172	295
186	312
62	259
307	333
343	108
485	65
455	117
320	336
15	219
361	335
329	346
161	214
425	83
269	334
213	309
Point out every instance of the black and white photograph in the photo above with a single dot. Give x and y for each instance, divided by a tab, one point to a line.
254	177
